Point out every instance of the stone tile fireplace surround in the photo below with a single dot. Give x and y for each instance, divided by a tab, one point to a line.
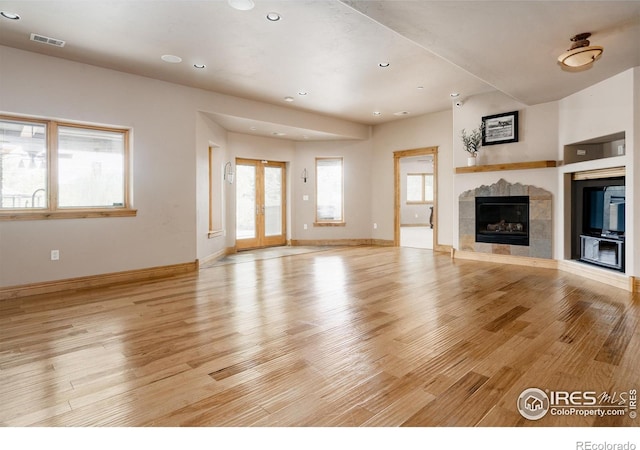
540	220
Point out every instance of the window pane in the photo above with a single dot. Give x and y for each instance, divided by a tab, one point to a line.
273	201
245	201
414	188
90	167
23	165
428	188
329	190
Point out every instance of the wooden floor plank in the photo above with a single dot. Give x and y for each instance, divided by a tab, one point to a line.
358	336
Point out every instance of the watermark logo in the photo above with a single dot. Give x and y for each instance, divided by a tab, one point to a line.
533	404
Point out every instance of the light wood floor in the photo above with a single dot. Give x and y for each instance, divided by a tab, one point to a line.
341	337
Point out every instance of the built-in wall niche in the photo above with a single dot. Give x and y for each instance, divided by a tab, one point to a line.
598	218
598	148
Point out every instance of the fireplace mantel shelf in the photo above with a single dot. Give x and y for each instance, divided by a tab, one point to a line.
507	166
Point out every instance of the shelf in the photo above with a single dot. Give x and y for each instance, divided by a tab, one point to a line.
507	166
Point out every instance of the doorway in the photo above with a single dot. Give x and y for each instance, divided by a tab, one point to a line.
416	198
260	204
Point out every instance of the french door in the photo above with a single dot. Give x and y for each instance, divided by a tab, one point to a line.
260	204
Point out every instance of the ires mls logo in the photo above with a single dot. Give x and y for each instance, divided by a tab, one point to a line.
534	403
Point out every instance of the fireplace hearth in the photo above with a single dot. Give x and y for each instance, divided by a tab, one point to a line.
502	220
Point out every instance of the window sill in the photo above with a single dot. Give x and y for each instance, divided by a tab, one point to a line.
214	234
330	224
67	214
429	202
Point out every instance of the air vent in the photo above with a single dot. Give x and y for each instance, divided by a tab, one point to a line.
47	40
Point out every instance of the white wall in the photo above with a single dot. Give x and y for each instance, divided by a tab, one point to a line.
537	141
603	109
170	142
209	133
169	152
357	190
429	130
162	117
633	173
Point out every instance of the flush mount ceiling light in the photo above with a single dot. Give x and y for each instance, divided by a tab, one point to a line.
9	15
173	59
241	5
581	53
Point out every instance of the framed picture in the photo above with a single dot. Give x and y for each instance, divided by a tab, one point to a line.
500	128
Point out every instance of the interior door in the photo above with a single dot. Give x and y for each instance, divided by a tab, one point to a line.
260	204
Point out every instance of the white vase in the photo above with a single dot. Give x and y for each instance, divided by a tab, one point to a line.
471	161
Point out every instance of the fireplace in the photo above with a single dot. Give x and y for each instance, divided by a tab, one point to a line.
502	220
534	240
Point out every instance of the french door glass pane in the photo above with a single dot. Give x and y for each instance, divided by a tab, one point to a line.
23	165
245	202
273	201
90	168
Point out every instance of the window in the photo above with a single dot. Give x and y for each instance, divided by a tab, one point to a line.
329	191
420	188
54	170
215	192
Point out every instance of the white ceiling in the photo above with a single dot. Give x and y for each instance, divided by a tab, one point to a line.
331	50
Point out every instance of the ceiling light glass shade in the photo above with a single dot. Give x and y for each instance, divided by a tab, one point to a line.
173	59
242	5
581	56
9	15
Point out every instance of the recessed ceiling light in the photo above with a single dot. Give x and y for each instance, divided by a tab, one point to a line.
303	93
420	87
241	5
384	64
199	66
9	15
401	113
288	99
454	95
273	16
171	59
253	128
275	133
377	113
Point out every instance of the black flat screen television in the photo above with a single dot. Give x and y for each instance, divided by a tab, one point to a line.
604	210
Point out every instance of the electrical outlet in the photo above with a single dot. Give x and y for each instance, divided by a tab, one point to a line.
305	226
375	226
581	152
55	255
620	149
305	198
